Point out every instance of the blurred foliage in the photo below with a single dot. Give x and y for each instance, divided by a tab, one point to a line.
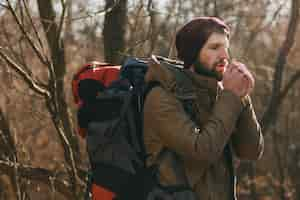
258	28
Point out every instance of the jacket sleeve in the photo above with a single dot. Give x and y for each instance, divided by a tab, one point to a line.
247	139
165	114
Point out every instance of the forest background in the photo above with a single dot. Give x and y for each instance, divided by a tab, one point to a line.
44	42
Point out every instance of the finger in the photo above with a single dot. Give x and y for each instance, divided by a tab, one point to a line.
230	68
250	80
243	82
244	69
247	75
246	88
248	84
235	64
237	72
240	65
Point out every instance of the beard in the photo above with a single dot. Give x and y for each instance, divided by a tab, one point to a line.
219	68
216	71
202	69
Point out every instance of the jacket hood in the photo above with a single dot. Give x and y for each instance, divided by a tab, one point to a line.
163	71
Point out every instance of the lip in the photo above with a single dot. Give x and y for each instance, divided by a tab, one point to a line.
220	67
223	65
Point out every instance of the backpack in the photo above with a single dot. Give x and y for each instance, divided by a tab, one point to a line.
87	82
110	116
110	101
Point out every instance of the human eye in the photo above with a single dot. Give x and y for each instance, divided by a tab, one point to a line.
214	47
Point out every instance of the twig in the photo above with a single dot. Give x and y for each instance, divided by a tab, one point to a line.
26	35
94	14
3	5
173	37
259	28
270	114
216	9
62	18
11	148
10	46
38	174
26	76
57	104
287	87
32	25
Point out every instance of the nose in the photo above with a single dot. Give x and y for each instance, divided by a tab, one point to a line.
224	54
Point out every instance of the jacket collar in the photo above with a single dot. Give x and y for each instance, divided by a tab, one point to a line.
184	83
201	82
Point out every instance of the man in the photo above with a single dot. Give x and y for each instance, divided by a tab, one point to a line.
196	120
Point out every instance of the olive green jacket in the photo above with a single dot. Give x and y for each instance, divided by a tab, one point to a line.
189	149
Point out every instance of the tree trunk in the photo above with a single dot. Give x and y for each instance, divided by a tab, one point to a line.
114	30
270	115
69	36
57	104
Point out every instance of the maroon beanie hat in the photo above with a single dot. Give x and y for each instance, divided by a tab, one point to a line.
193	35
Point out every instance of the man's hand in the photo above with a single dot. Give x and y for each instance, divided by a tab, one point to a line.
238	79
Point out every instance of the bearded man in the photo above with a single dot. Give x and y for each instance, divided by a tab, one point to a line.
196	120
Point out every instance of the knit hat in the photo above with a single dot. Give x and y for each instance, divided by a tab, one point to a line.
193	35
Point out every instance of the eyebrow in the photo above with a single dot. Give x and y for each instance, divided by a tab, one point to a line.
217	44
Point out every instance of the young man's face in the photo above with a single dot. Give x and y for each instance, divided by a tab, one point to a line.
214	53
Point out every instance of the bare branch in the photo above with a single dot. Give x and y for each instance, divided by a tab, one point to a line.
129	50
62	18
216	9
279	162
98	12
10	46
173	37
11	166
150	5
39	174
3	5
11	148
57	104
26	35
27	77
260	27
288	86
152	29
8	139
69	153
33	26
271	112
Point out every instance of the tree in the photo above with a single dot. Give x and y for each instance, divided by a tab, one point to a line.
52	92
34	54
114	30
278	94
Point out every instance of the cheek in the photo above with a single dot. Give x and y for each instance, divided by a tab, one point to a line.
207	59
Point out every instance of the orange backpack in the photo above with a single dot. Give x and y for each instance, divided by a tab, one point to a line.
109	102
110	117
91	79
